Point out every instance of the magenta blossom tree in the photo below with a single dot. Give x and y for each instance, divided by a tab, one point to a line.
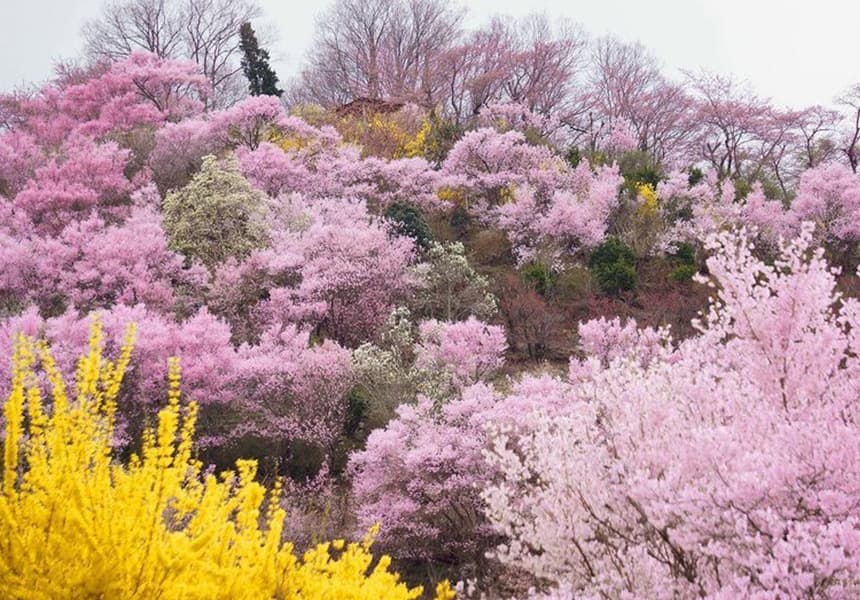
95	265
84	176
141	89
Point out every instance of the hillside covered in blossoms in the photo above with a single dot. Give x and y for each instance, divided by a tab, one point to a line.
497	312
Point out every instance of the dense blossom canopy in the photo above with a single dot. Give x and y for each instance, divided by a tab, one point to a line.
453	285
724	467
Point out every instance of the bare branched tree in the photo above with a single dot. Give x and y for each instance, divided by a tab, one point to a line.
211	39
380	49
422	30
125	26
625	83
544	61
817	126
531	61
203	31
850	101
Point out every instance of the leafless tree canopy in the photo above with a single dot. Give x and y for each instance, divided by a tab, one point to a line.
380	49
544	62
151	25
850	102
203	31
416	51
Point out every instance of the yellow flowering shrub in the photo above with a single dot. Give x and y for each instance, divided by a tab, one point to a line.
641	224
417	146
648	196
75	523
288	143
454	195
376	134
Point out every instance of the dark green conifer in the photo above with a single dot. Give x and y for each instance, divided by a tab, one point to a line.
262	80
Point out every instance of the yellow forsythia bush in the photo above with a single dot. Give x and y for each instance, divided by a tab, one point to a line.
648	196
75	523
417	146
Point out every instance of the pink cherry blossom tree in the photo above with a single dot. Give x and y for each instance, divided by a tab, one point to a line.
288	390
94	265
487	165
573	218
470	351
84	176
421	476
725	468
250	121
354	265
142	89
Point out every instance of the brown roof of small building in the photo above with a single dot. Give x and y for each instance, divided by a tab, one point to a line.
368	106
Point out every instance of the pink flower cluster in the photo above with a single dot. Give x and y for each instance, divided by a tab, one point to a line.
469	350
827	195
726	468
724	464
82	175
574	217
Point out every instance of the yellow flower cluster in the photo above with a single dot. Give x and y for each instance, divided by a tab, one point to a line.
378	135
648	195
417	146
75	523
454	195
287	143
382	128
390	136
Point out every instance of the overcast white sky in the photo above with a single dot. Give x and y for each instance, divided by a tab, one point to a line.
796	52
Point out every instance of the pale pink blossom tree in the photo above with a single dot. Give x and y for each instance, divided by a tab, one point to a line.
487	165
574	218
470	351
726	468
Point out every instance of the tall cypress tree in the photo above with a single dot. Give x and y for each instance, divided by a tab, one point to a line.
262	80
